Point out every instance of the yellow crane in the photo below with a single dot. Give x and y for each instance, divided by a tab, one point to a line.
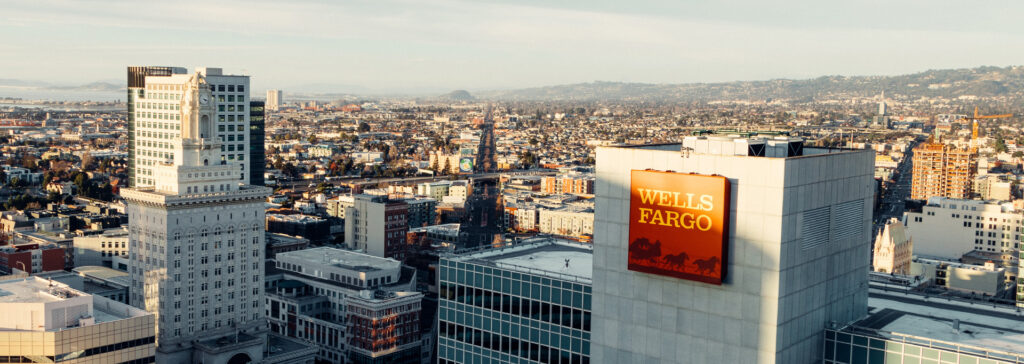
976	117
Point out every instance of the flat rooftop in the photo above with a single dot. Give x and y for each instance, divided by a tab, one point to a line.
546	256
342	258
981	327
27	290
100	272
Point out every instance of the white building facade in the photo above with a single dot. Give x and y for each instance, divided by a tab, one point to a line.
157	99
893	250
948	228
274	100
797	246
196	236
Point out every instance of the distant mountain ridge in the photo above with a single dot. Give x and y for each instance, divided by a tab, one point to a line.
39	85
457	95
986	81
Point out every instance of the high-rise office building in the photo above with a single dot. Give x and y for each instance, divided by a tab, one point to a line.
196	230
728	250
257	136
942	170
274	100
529	303
155	104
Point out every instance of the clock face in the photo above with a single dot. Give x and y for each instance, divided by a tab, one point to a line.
204	99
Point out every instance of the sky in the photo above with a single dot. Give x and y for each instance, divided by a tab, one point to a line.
428	46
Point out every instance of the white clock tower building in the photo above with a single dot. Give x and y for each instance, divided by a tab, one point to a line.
196	230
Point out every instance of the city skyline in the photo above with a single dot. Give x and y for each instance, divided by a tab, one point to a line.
410	47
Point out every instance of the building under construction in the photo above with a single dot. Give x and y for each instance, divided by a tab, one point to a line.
942	170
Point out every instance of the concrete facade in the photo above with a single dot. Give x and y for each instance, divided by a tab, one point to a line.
45	320
948	228
893	250
799	237
377	226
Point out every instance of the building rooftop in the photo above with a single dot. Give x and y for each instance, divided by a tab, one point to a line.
23	296
949	325
342	258
551	257
736	145
100	272
28	290
441	228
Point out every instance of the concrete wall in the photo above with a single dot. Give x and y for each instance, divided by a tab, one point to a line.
777	297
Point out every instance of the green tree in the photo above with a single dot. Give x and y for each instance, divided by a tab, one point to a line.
1000	145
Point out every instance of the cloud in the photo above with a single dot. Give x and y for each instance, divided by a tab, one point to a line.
481	44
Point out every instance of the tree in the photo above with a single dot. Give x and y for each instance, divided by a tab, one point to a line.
528	159
363	127
87	161
447	166
30	162
1000	146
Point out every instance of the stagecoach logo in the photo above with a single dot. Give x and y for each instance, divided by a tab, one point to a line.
677	225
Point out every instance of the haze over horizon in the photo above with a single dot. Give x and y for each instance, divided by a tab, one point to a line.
400	46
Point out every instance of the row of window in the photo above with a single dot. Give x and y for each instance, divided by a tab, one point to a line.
517	306
105	349
231	108
511	345
228	88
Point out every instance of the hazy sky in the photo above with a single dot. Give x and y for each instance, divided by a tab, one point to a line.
427	45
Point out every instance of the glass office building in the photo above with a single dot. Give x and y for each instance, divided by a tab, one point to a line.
257	151
525	304
935	331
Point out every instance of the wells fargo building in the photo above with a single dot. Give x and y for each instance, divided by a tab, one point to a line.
743	253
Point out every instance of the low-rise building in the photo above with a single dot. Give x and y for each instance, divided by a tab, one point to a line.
948	228
47	321
436	190
985	279
107	248
566	222
356	308
893	250
280	243
31	258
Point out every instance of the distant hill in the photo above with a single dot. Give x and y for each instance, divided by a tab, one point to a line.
984	81
457	95
38	85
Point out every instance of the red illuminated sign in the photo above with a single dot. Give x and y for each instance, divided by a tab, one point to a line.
678	225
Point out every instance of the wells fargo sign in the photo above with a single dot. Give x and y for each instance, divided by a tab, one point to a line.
678	225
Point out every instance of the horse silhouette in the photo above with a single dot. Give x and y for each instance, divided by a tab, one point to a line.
643	249
676	260
706	265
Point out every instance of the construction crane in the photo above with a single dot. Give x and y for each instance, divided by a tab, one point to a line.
976	117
